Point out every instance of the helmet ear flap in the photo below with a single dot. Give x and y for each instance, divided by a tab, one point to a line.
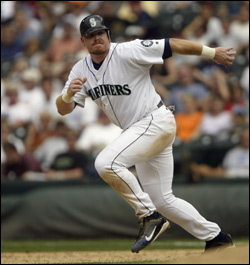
109	34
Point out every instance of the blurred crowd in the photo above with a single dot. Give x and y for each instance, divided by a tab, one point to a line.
40	42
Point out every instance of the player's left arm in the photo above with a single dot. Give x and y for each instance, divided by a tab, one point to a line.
220	55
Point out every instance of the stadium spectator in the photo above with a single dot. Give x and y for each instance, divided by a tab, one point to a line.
18	67
71	164
52	146
196	31
97	135
216	120
39	131
240	118
17	113
11	47
206	23
7	11
8	136
61	46
49	96
244	80
186	85
76	11
166	74
82	118
47	14
235	163
228	37
46	69
215	80
18	166
27	27
32	52
188	120
31	92
138	13
134	12
240	26
163	76
142	17
205	28
236	95
175	5
107	9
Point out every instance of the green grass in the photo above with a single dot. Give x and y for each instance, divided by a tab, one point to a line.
98	245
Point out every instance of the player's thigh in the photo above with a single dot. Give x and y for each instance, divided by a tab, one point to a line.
141	142
156	175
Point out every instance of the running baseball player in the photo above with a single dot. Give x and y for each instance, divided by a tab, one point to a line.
116	77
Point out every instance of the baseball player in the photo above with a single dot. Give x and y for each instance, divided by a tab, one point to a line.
116	77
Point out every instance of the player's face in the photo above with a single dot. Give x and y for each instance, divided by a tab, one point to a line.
96	42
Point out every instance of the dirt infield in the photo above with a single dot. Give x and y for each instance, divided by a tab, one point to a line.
238	255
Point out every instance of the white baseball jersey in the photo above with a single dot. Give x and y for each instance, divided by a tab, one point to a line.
121	87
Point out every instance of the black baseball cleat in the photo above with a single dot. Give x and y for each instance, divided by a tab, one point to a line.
221	241
150	228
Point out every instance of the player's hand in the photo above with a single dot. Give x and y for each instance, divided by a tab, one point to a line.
224	56
76	86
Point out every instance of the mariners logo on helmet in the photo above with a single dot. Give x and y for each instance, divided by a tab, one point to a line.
91	24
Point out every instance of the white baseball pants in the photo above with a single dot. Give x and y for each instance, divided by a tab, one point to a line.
148	145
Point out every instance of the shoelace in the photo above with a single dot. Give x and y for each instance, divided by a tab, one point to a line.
142	228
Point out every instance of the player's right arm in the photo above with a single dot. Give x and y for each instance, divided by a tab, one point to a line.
65	102
220	55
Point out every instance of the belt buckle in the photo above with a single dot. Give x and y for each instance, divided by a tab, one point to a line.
171	108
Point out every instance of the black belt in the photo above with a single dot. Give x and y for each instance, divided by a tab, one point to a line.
160	104
171	108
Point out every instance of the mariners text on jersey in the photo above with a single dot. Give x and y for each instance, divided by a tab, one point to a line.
106	89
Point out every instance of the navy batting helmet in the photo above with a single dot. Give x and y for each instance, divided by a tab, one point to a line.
91	24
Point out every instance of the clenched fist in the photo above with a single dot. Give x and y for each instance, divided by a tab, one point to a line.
75	86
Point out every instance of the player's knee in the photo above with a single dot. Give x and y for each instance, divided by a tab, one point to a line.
164	200
104	169
107	168
102	164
